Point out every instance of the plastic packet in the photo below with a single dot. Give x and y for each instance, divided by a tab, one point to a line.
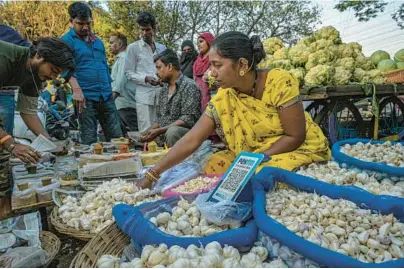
176	175
24	197
202	155
25	228
44	193
24	257
223	212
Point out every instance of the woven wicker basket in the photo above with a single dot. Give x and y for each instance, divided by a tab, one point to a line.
110	241
396	76
64	229
51	244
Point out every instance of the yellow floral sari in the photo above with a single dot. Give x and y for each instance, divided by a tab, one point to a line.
245	123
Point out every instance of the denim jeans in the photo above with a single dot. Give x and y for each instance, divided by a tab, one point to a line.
107	115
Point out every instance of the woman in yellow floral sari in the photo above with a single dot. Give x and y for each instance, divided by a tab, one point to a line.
254	111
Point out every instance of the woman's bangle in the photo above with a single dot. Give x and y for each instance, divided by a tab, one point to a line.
151	175
4	139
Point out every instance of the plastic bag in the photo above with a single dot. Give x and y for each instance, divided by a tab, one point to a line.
176	175
224	212
24	257
134	221
186	170
25	228
202	155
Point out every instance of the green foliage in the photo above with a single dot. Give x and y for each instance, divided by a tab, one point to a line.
366	10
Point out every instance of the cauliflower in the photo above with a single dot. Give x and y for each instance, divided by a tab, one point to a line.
284	64
328	33
356	47
306	41
267	62
346	63
346	51
281	54
299	54
320	44
319	75
376	76
359	75
272	44
341	76
319	57
361	61
299	74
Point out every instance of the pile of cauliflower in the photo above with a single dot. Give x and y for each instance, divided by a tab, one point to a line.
93	212
322	59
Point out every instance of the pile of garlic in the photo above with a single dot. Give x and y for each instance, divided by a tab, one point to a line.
196	184
291	258
93	212
385	153
338	225
186	220
373	182
212	256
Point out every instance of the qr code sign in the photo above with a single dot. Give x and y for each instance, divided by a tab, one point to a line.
233	180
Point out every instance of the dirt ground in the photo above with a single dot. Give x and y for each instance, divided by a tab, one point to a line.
68	250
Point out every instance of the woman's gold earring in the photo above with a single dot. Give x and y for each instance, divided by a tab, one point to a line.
242	73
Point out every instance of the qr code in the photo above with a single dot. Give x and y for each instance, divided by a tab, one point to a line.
234	179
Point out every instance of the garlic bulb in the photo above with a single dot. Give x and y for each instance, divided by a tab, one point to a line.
344	228
196	184
186	220
107	261
93	212
386	153
211	256
376	183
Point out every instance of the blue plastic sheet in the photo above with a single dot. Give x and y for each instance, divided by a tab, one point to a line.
264	182
378	167
134	221
7	108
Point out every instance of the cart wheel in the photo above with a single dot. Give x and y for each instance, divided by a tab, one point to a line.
340	120
391	117
315	107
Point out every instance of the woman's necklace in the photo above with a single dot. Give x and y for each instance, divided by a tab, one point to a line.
255	82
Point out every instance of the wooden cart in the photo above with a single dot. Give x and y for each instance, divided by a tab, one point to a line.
346	111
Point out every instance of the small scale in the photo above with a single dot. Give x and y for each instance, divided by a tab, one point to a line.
236	177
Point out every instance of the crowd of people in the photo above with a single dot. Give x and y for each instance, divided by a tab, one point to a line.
169	99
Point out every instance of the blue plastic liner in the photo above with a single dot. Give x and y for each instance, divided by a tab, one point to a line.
134	221
264	182
7	108
378	167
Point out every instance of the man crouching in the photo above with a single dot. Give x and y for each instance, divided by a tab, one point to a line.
179	101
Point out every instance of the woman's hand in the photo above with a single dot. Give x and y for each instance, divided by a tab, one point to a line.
25	153
144	184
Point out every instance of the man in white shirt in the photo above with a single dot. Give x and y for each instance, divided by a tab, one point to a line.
141	70
122	89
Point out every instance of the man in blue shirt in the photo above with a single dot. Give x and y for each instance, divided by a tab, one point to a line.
91	83
10	35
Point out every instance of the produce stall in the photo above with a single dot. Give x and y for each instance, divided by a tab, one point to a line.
340	114
336	77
